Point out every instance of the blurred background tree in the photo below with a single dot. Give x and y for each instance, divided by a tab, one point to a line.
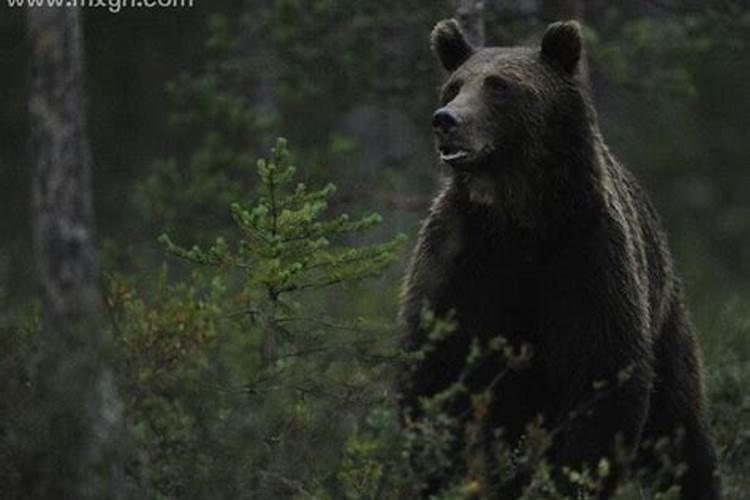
184	101
64	432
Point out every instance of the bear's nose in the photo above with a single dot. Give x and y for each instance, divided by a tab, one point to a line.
444	120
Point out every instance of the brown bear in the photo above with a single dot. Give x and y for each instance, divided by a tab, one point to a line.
542	237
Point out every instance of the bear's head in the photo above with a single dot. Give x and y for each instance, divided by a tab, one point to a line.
506	108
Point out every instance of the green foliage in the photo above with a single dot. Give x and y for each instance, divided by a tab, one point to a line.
221	128
240	382
285	246
656	57
165	345
439	438
49	406
223	124
664	56
373	466
728	360
363	50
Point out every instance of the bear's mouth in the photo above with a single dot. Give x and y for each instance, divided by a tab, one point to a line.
454	154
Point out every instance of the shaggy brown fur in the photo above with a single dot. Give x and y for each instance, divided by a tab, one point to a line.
542	237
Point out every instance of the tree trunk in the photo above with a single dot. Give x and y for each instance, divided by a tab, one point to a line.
77	409
470	16
65	253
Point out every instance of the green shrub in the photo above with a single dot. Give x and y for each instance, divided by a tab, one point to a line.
240	380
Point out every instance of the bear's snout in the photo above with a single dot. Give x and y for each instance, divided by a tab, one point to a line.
454	149
445	121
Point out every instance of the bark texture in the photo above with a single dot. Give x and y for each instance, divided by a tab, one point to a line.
65	253
77	414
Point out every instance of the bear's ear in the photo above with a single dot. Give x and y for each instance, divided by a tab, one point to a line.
562	45
450	45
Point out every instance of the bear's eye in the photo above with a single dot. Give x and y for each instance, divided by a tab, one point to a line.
450	92
496	84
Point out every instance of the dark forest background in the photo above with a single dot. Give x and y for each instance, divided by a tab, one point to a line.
251	367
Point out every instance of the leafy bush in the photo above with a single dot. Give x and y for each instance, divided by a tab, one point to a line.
241	382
